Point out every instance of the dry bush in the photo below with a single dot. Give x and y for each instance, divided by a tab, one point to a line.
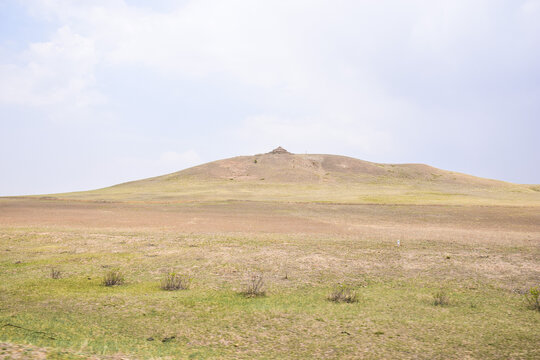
174	281
113	277
55	273
441	298
343	293
533	298
255	287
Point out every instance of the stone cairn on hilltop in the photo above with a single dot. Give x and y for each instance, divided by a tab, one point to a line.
279	150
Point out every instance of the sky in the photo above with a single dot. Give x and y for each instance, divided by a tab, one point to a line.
95	93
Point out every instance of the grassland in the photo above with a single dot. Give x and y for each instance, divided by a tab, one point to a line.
483	257
392	192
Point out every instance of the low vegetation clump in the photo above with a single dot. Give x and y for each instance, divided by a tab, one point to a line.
55	273
113	277
255	287
174	281
343	294
441	298
533	298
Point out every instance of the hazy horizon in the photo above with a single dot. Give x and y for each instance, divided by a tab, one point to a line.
101	93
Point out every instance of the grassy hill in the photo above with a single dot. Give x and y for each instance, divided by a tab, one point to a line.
282	176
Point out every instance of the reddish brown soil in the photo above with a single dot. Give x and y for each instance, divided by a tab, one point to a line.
448	223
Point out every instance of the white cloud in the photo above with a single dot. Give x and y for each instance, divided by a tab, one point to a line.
325	57
57	73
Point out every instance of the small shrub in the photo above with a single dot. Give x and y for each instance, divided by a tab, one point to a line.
440	298
174	281
113	277
343	293
533	298
55	273
255	287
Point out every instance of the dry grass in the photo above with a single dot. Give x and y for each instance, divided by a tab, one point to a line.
441	298
113	277
343	294
174	281
55	273
255	287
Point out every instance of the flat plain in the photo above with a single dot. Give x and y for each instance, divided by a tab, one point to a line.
475	241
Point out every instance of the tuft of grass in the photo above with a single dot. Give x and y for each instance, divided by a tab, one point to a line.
55	273
343	293
174	281
255	287
113	277
533	298
441	298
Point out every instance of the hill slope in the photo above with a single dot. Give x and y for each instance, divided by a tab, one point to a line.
282	176
314	168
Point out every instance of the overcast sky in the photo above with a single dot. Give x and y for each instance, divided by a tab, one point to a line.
94	93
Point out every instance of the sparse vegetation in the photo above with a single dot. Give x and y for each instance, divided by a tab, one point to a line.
316	245
255	287
55	273
533	298
343	294
113	277
174	281
441	298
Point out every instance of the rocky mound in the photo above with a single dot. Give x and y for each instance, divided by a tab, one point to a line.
279	150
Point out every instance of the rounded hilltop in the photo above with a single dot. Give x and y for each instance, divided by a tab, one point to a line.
274	167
